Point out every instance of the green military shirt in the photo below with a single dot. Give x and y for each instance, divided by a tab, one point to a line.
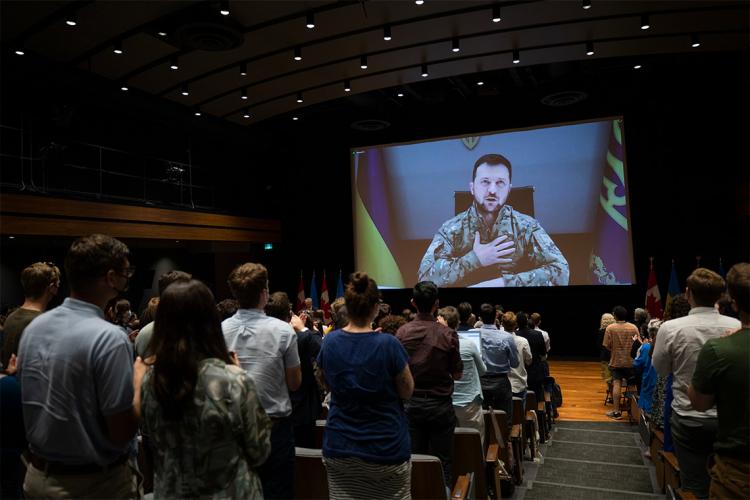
722	370
211	451
450	259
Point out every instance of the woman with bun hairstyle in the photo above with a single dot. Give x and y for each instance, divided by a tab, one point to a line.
366	447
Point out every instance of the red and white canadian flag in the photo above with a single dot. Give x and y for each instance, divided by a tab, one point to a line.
653	297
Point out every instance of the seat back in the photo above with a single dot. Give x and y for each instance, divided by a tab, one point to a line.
531	404
320	429
426	478
518	413
310	479
468	457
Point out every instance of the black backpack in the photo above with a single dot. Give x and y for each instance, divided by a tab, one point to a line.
557	398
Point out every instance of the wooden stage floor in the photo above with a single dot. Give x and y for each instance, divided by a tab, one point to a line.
583	390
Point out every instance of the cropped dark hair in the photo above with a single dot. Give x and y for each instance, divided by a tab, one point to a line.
620	313
487	314
464	312
522	320
738	280
227	308
186	330
170	277
705	286
279	306
37	277
247	281
361	296
492	159
680	307
450	315
91	257
425	294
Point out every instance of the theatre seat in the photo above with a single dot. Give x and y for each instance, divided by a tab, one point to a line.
427	480
310	480
468	457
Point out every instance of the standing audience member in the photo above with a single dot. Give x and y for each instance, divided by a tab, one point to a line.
305	400
518	374
435	362
604	354
227	308
618	339
144	335
678	343
267	350
536	371
200	411
467	392
536	322
366	446
500	355
722	378
391	323
464	317
40	282
76	371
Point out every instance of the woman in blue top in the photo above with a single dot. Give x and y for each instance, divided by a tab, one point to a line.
366	447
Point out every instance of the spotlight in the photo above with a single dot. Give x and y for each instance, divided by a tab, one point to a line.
71	20
480	83
363	62
117	49
243	69
243	94
425	73
295	118
347	86
246	114
419	2
637	66
173	65
197	112
297	53
695	41
310	21
586	4
644	23
162	33
224	7
299	97
496	17
456	45
124	87
516	56
589	48
19	51
400	94
387	33
184	90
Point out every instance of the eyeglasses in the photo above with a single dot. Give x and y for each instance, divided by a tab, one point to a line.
128	272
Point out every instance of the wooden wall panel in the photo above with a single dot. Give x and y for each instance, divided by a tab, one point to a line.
36	215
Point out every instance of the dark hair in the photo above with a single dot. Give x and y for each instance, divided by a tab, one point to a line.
522	320
620	313
391	323
121	305
37	277
464	312
383	311
187	330
678	308
425	294
705	286
341	318
247	282
279	307
450	315
361	297
738	280
91	257
492	159
509	321
227	308
170	277
487	314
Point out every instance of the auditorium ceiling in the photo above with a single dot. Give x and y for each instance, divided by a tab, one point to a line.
247	61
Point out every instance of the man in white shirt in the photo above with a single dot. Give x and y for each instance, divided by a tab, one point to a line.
678	343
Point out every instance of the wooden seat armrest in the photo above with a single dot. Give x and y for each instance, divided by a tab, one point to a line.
529	415
493	452
685	494
540	406
670	458
462	486
515	432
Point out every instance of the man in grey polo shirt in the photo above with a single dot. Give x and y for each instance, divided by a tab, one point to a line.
267	350
678	344
77	381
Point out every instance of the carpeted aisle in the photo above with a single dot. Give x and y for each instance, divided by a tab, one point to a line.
591	460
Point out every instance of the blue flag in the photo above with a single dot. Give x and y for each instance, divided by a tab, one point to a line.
314	293
340	287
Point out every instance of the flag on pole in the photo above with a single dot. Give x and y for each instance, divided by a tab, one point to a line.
340	287
722	272
672	290
300	294
653	297
314	292
324	304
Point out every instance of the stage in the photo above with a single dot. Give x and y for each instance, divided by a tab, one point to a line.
583	390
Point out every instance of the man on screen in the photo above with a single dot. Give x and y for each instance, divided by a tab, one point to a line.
490	244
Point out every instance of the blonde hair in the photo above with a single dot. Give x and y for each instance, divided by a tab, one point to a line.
607	319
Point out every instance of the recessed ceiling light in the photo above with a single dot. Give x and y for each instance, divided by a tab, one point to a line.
586	4
19	52
480	83
197	112
297	53
695	41
224	8
117	48
419	2
184	90
295	118
644	23
243	94
456	45
310	20
387	33
299	97
516	56
589	48
162	33
363	62
173	64
71	20
11	237
496	17
400	94
637	66
246	114
124	87
243	69
347	86
425	73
